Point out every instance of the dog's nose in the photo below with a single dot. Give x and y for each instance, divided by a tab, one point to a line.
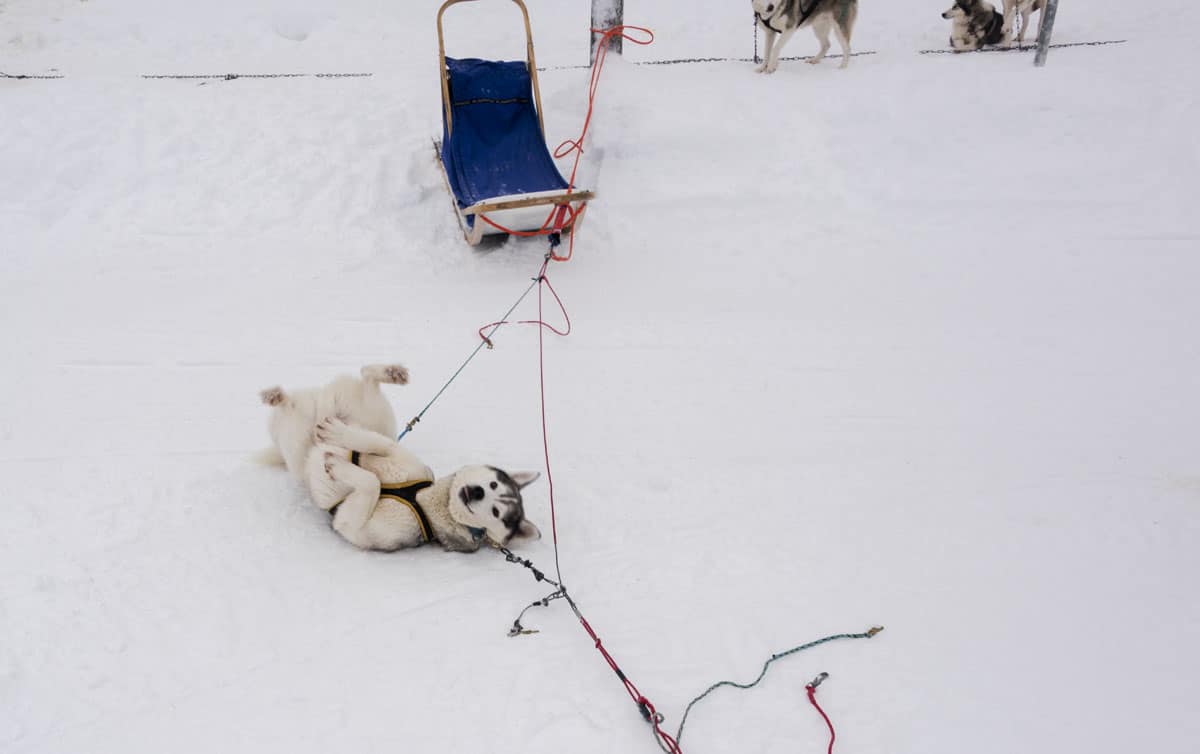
475	492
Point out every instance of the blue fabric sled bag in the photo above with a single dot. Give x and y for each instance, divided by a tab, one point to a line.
495	146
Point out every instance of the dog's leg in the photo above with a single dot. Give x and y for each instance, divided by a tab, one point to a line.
773	56
392	374
325	491
333	431
1026	14
769	35
821	28
356	510
1010	15
273	396
843	35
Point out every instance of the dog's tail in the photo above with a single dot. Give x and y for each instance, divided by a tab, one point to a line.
268	457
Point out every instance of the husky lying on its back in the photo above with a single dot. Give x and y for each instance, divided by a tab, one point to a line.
976	23
381	496
779	20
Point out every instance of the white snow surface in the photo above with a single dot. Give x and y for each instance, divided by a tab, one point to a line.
910	344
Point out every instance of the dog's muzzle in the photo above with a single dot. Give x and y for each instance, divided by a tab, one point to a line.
471	494
764	13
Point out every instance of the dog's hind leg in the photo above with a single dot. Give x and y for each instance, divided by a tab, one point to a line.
821	27
844	26
334	431
362	401
392	374
273	396
1026	19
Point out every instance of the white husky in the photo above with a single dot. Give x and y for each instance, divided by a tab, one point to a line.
338	440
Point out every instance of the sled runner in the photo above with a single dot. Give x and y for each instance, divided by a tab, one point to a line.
493	149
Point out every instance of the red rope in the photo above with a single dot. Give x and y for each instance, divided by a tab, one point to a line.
812	697
668	743
539	321
542	392
644	705
558	219
647	708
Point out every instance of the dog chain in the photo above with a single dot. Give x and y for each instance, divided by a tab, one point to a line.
4	75
234	76
518	629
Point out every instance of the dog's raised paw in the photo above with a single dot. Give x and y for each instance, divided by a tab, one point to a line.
328	430
396	374
273	396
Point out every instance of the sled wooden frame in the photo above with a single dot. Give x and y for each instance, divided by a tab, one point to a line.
474	232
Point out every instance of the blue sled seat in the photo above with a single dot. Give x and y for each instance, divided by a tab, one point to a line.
494	145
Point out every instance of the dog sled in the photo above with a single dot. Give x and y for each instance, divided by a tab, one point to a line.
493	151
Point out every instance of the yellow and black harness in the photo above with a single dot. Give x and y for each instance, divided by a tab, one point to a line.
404	493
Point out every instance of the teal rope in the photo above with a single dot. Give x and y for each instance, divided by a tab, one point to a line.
865	635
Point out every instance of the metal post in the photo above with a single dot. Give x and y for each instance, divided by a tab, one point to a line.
1044	31
605	15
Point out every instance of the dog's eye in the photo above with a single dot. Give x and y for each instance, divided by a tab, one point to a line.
494	485
495	511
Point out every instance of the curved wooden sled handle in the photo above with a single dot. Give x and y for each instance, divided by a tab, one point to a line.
529	61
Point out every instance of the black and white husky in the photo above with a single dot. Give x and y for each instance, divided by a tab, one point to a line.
975	23
779	20
338	439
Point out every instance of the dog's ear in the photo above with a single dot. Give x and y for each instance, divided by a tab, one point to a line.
525	478
526	531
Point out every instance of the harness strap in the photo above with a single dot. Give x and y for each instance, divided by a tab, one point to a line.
804	16
402	493
408	495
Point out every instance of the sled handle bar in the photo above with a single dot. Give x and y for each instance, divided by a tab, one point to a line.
537	94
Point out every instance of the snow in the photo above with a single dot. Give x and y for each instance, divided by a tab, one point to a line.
909	344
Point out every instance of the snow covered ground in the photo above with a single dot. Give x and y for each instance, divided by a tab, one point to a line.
910	344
